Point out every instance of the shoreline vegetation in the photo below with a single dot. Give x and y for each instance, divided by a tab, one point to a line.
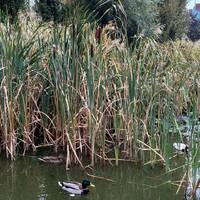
104	99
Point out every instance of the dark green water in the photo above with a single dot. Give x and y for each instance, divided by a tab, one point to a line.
29	179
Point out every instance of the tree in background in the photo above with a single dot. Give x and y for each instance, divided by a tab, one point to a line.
173	18
12	7
138	16
105	11
194	28
49	9
142	17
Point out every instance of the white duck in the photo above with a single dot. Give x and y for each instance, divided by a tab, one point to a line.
181	147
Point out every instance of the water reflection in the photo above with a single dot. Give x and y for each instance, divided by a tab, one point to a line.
42	189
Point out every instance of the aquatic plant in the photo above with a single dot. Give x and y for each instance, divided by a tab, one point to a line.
61	87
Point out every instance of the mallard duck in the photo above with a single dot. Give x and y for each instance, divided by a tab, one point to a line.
75	187
52	159
181	147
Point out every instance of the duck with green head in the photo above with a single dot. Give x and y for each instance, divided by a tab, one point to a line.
75	187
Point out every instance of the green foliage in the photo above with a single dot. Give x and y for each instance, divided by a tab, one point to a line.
49	9
173	18
137	16
194	29
105	11
58	11
12	7
141	16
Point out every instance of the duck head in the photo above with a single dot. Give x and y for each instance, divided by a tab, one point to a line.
86	183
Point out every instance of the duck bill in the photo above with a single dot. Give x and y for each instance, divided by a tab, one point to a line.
92	185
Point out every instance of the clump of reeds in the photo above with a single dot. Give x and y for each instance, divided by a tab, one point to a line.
100	98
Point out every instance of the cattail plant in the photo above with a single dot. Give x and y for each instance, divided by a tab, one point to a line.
91	97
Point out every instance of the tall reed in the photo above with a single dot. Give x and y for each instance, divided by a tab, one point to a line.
60	86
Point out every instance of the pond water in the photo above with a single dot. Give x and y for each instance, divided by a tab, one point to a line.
27	178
